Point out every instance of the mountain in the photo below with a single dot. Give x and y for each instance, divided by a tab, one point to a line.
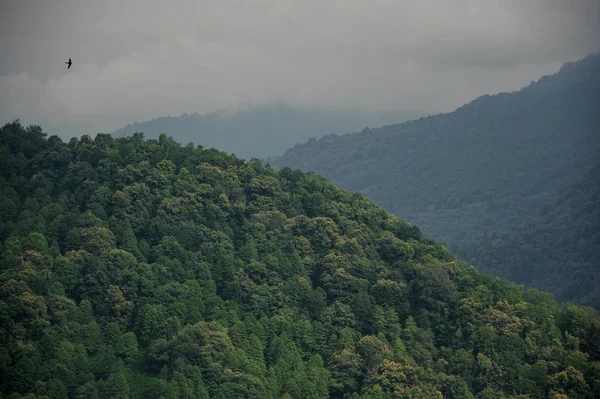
133	268
496	162
559	250
258	132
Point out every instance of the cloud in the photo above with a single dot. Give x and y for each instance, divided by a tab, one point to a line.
137	60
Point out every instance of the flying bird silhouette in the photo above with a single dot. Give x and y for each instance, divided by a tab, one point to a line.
69	63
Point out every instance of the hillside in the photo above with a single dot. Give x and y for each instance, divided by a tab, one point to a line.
257	132
559	251
497	162
143	269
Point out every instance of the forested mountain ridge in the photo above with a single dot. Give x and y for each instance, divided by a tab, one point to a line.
559	250
494	163
257	132
133	268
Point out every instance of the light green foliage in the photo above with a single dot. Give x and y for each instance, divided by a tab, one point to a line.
36	242
180	272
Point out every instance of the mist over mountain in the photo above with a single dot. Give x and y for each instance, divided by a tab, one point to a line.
496	162
260	131
425	242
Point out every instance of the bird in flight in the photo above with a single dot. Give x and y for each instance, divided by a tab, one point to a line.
69	63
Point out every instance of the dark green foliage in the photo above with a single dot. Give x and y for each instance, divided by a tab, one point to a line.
558	251
494	179
143	269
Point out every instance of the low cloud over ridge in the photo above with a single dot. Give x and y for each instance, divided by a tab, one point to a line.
136	60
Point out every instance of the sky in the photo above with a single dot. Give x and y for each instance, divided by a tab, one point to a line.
137	60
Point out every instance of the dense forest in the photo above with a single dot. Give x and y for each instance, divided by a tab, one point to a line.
260	132
560	250
494	164
134	268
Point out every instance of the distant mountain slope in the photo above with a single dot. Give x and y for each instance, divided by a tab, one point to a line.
559	251
495	162
258	132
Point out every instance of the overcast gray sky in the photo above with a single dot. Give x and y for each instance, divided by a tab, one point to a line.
136	60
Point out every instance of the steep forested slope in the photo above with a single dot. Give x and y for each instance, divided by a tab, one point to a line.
143	269
258	132
559	251
496	162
